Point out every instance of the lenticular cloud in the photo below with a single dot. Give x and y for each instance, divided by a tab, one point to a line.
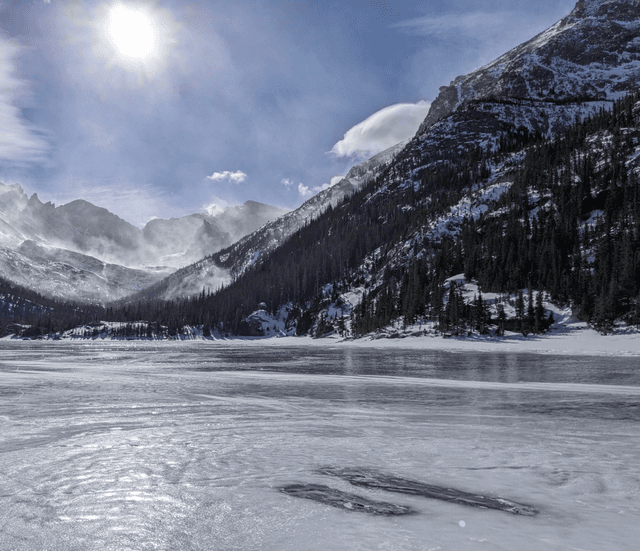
382	130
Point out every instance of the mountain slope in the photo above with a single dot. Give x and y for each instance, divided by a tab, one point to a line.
29	314
222	267
67	275
591	54
391	245
180	241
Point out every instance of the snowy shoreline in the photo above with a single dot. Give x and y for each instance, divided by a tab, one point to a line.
575	339
579	341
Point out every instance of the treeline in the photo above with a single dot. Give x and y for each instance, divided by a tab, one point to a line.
25	312
579	238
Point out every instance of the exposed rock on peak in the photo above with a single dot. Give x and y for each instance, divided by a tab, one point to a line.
625	10
591	54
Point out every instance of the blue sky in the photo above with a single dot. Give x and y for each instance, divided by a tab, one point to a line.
218	102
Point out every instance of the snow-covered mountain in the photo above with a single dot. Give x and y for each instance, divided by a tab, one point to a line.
567	73
85	228
81	251
180	241
259	243
78	226
592	54
65	274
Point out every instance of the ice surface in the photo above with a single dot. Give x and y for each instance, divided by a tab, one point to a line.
185	445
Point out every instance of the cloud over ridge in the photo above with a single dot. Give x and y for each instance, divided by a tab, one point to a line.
383	129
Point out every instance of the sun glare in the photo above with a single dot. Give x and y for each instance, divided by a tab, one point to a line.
131	32
136	36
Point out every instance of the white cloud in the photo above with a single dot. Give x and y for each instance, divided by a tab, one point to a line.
213	209
307	191
235	177
19	141
382	130
304	190
217	205
286	182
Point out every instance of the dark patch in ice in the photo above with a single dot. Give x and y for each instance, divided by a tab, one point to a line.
496	467
380	481
344	500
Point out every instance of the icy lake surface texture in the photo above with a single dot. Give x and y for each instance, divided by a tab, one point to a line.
111	446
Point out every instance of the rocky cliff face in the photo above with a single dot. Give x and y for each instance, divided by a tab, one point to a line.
592	54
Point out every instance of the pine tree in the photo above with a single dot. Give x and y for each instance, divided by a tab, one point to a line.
540	321
520	310
502	318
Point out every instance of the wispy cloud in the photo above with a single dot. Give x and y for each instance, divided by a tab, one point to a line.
382	130
473	24
134	203
234	177
19	140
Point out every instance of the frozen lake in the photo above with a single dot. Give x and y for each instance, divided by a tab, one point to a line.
185	446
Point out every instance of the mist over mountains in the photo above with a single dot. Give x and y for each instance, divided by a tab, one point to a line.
82	251
523	179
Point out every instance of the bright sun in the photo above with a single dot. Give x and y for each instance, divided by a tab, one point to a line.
131	32
134	36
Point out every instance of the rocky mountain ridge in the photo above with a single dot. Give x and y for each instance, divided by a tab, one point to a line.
591	54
